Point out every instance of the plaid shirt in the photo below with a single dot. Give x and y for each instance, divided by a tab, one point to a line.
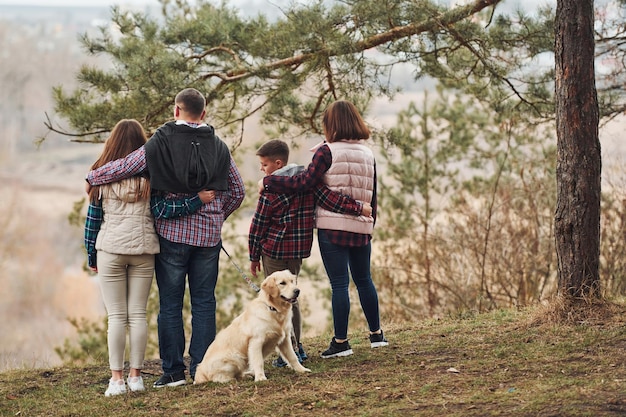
282	226
313	176
165	208
202	227
95	214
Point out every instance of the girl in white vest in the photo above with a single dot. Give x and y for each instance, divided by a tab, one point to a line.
121	243
346	165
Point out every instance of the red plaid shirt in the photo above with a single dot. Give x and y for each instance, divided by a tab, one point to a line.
313	176
282	226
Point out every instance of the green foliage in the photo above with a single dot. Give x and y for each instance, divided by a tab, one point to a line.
290	68
611	57
76	218
91	346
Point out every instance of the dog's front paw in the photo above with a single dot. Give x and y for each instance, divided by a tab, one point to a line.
301	369
260	377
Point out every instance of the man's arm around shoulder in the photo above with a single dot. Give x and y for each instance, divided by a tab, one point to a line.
132	164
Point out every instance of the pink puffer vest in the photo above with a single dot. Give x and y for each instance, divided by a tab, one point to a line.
351	173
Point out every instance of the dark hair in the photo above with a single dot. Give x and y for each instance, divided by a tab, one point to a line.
342	120
127	136
275	149
191	101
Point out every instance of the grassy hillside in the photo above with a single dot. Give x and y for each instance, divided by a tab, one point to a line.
504	363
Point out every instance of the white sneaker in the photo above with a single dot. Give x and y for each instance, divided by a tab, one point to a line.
135	383
115	388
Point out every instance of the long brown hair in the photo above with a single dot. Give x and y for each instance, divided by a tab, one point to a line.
127	136
342	120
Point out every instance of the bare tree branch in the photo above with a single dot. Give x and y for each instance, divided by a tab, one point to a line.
48	123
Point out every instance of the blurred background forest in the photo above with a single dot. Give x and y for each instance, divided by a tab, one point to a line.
40	255
466	220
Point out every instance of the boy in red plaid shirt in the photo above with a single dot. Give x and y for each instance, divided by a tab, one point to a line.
281	232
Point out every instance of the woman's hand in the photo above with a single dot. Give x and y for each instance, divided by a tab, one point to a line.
366	210
206	196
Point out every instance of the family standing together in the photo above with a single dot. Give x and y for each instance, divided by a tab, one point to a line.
157	207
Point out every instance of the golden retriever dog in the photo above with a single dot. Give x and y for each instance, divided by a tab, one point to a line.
263	327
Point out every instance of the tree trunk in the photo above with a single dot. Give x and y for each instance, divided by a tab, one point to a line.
579	165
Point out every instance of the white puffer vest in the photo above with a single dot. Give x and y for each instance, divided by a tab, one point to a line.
351	173
128	226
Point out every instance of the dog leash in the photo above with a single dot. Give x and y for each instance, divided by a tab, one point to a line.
248	280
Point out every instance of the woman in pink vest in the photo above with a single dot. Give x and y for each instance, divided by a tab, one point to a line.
346	165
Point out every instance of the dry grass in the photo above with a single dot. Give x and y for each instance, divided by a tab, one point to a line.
503	363
567	311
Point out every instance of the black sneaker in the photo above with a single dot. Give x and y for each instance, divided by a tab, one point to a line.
378	340
171	380
302	353
336	350
279	363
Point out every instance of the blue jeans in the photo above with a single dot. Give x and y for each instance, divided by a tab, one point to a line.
337	261
176	262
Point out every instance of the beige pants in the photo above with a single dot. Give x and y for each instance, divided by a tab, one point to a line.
125	282
270	266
